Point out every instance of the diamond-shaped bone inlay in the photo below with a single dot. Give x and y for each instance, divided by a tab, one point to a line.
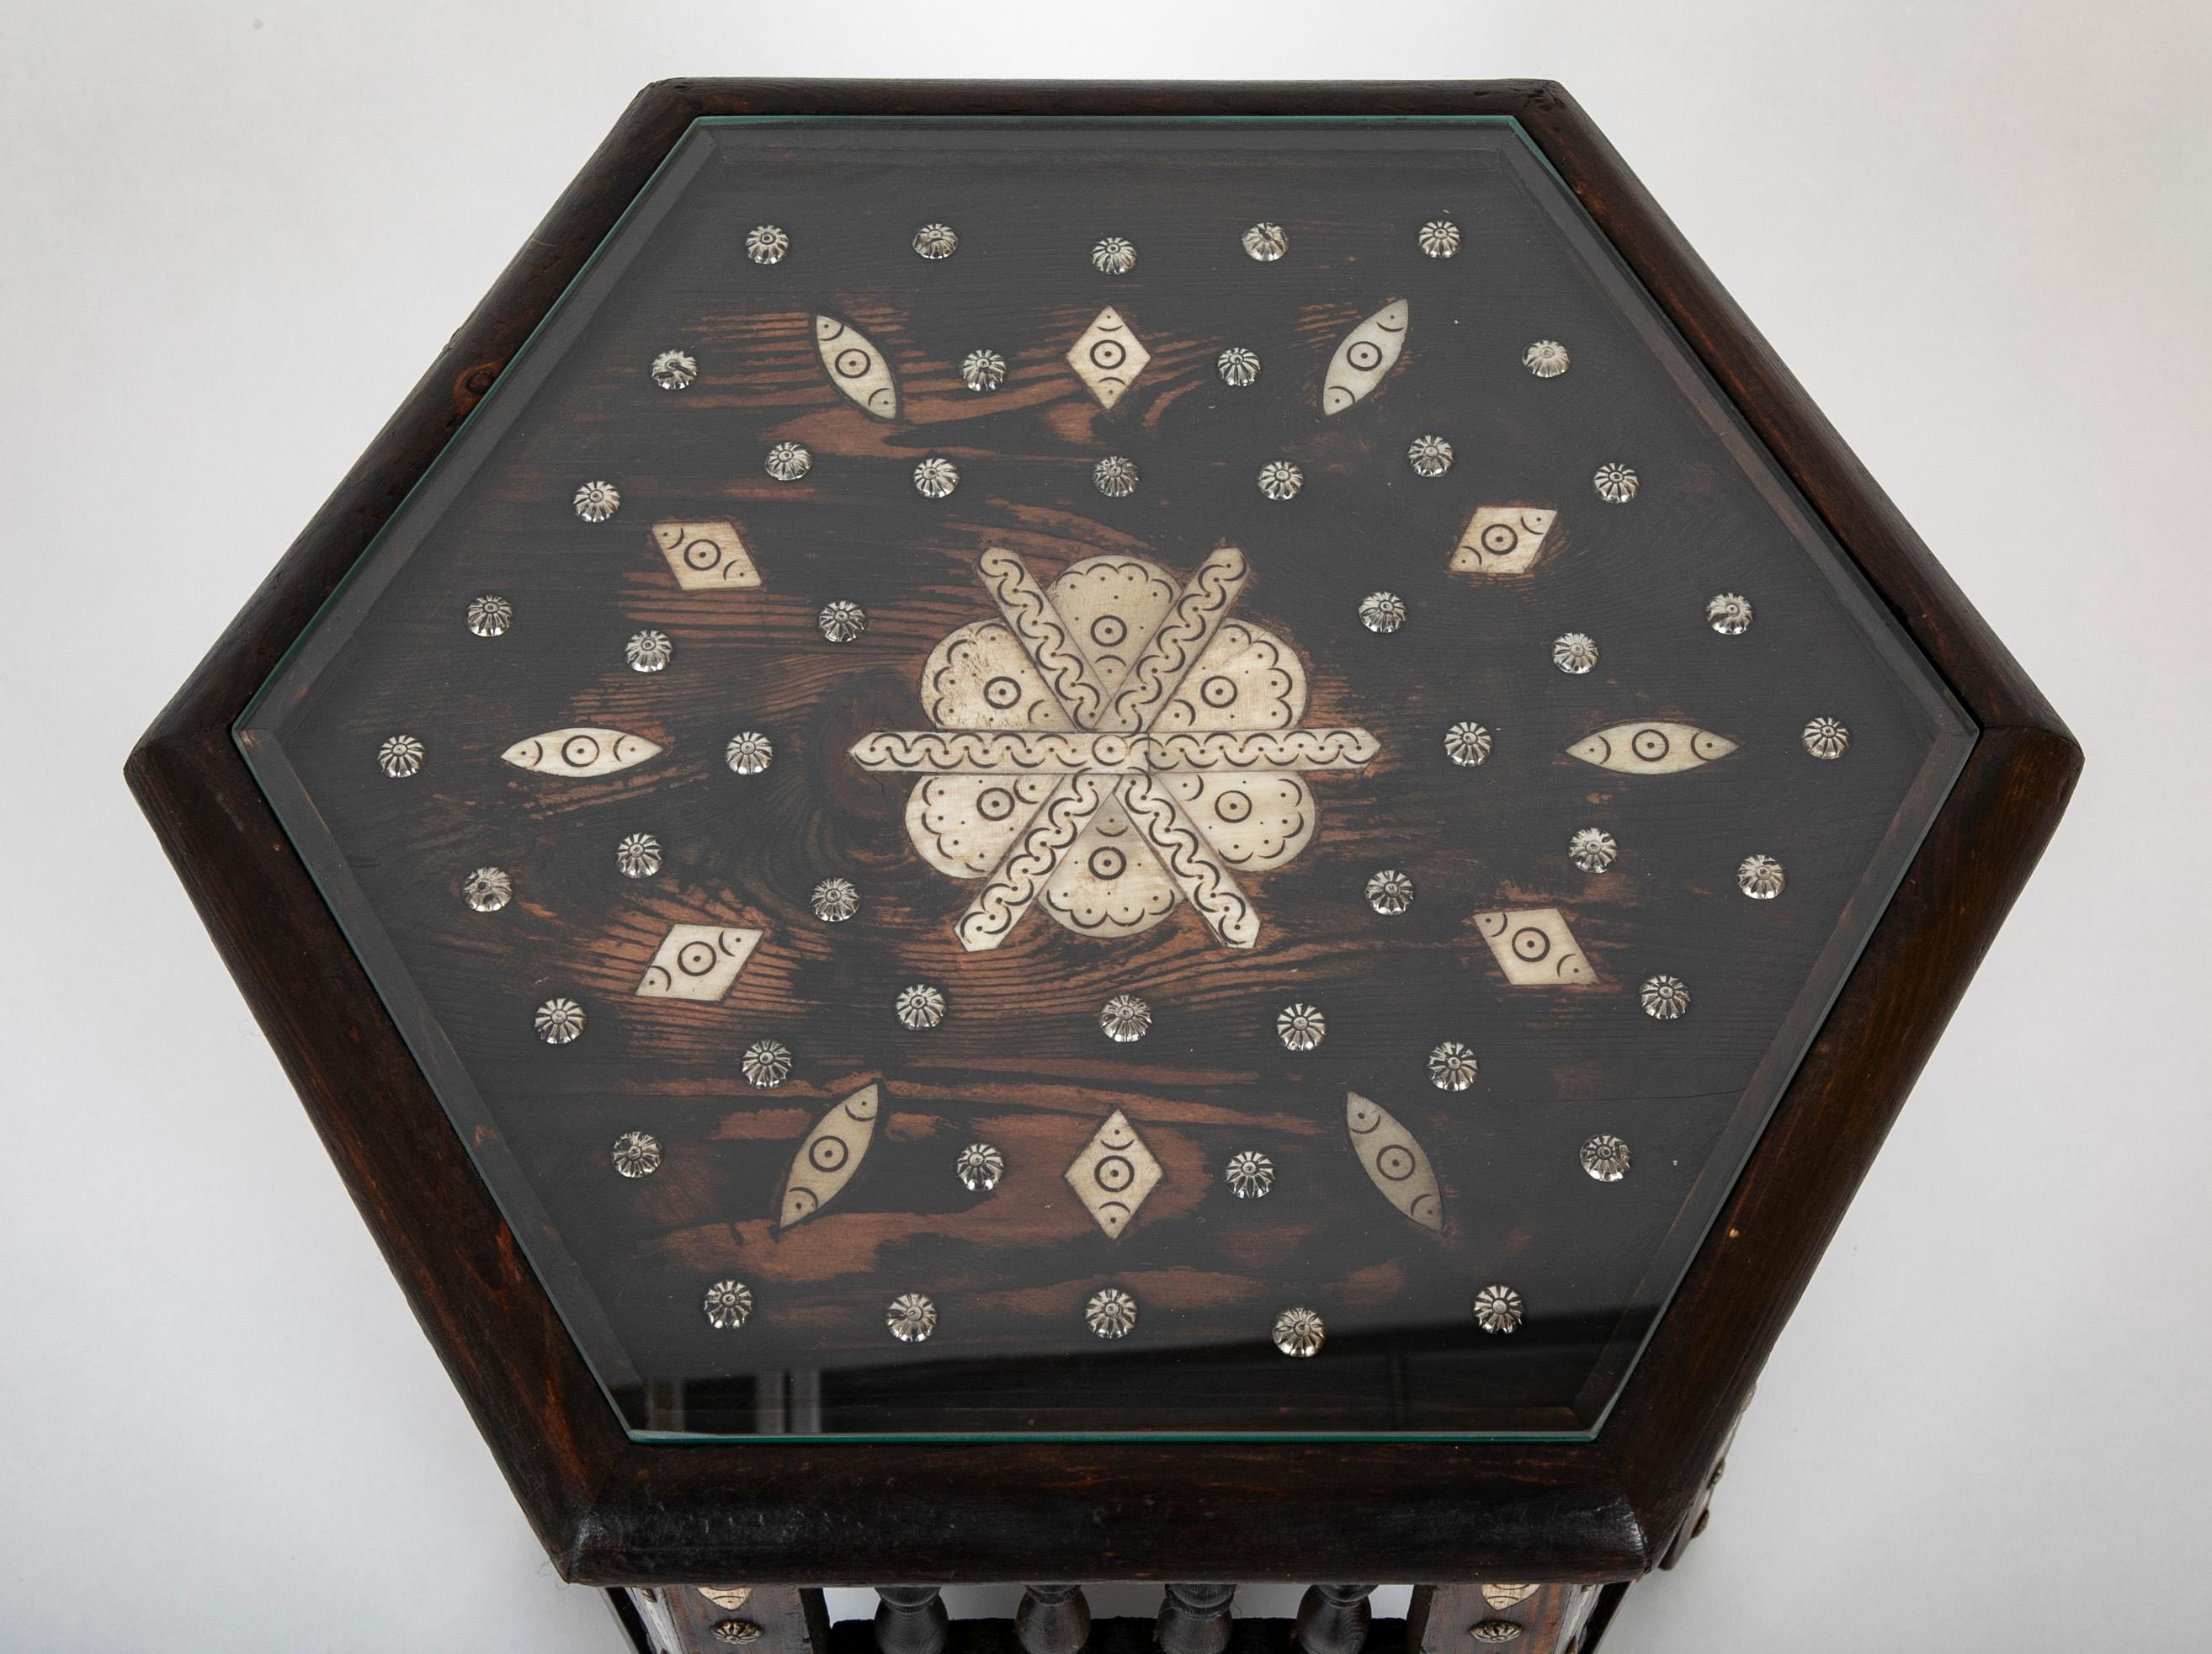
1113	1173
1109	356
1533	947
698	962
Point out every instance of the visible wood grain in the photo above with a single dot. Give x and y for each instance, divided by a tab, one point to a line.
1052	1620
1333	1618
1195	1619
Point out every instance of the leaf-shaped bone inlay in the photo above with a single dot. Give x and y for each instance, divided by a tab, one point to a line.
698	962
1502	539
826	1161
856	366
1533	947
1394	1161
1651	749
1368	351
706	555
583	752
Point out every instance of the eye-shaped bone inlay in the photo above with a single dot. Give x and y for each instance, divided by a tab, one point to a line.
581	751
698	962
828	1159
1653	749
1394	1161
1368	351
1502	540
1109	356
856	366
705	556
1535	948
1113	1173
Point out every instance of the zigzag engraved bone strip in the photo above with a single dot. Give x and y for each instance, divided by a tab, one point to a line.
1028	864
1174	647
1024	752
1198	874
1037	625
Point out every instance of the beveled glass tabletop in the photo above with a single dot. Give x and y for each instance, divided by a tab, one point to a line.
1106	776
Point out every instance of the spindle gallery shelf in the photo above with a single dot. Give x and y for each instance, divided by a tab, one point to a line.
1085	831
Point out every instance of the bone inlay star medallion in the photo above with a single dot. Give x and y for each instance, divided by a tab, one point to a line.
1110	745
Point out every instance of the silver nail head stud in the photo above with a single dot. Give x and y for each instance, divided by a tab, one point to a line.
674	370
1494	1631
637	1154
736	1631
748	753
1452	1066
1430	456
1605	1156
1249	1174
399	756
1467	745
1114	256
648	651
1389	892
1729	614
1439	238
1126	1019
727	1305
766	244
842	622
1265	243
1383	611
911	1318
1574	653
597	501
1592	849
1114	477
559	1021
787	462
921	1007
489	616
1826	737
1280	480
983	370
934	241
638	856
935	477
1301	1027
1615	482
1299	1332
835	900
1497	1310
1111	1313
979	1167
1546	358
1760	877
488	890
1665	998
1238	367
767	1064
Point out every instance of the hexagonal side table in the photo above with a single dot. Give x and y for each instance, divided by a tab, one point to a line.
1200	836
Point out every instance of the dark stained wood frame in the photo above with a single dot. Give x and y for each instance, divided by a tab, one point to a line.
611	1510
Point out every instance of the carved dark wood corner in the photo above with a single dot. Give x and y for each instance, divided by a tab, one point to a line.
653	1517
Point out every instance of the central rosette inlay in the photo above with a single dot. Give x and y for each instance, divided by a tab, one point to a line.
1111	746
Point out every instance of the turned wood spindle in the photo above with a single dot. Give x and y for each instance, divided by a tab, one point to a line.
1052	1620
910	1619
1333	1619
1195	1619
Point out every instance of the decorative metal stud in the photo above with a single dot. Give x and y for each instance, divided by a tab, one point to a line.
842	622
1114	256
1439	238
1826	737
638	856
979	1166
1430	456
766	244
1615	482
1238	367
767	1063
1299	1332
835	900
558	1021
1249	1174
1546	358
1574	652
1111	1312
637	1154
736	1631
750	752
674	370
935	477
1281	480
728	1598
1382	611
1467	745
1389	892
1491	1632
1115	476
727	1305
911	1316
921	1007
1266	242
936	241
598	500
399	756
1665	998
1605	1156
1760	877
1301	1027
648	651
982	370
1592	849
1126	1019
1497	1310
1452	1066
1729	614
487	889
489	616
788	461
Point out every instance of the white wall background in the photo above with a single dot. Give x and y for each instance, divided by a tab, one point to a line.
231	236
